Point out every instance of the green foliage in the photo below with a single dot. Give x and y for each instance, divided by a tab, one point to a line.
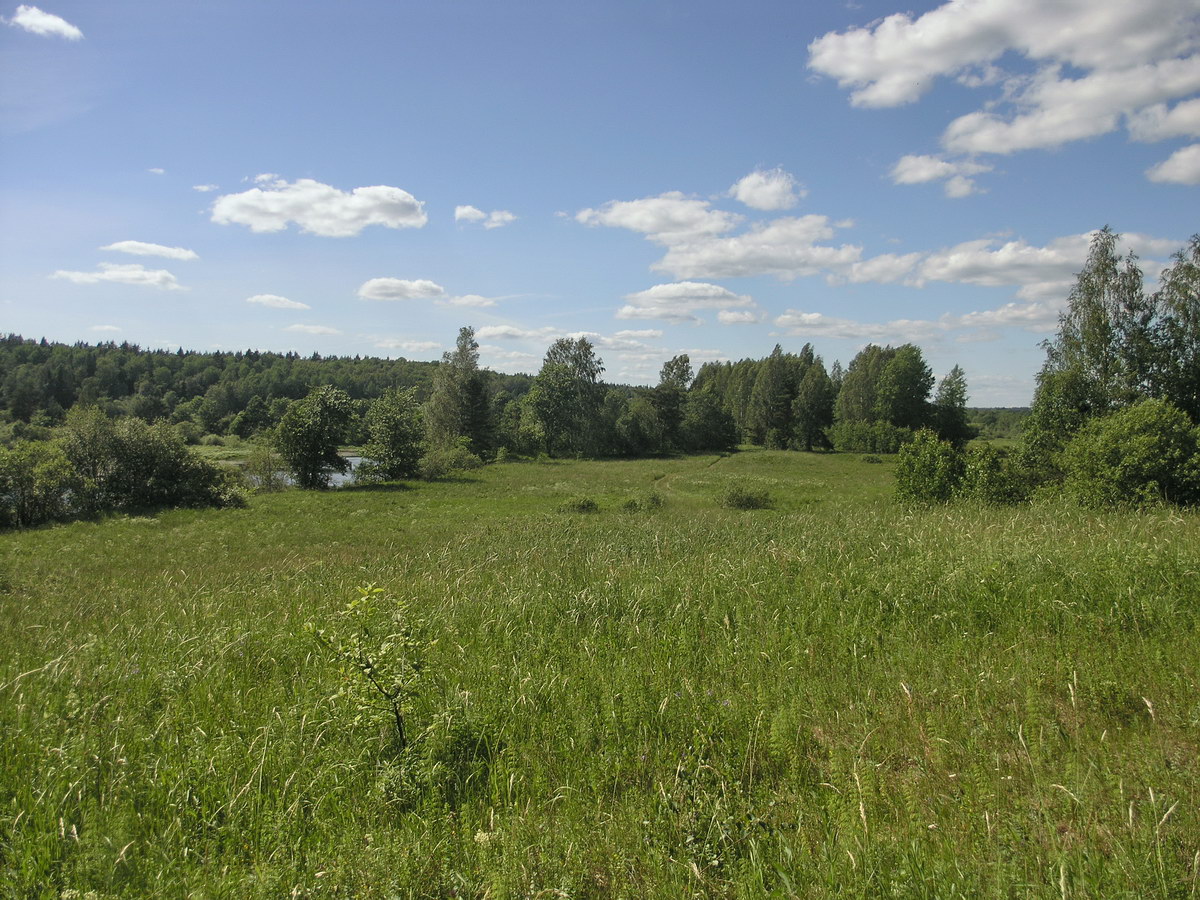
458	406
928	471
128	464
579	505
949	417
1144	454
309	434
375	646
397	430
265	470
744	495
442	462
36	479
992	476
868	437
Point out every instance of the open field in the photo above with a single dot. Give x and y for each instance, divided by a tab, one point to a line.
832	697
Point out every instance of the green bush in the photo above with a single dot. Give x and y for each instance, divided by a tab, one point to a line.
1139	456
579	505
992	476
743	495
445	461
928	470
35	483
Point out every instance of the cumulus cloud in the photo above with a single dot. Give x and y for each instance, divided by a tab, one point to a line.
679	301
141	248
516	333
44	24
274	301
312	329
468	213
157	171
814	324
318	208
497	218
772	189
738	317
206	188
132	273
1181	167
401	289
922	169
639	334
1095	66
468	300
668	219
786	247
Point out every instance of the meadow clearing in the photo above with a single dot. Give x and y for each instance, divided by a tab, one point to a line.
835	696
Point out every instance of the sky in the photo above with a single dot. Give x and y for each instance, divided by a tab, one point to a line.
710	178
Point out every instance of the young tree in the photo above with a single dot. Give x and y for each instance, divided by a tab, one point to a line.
309	433
458	405
1178	331
567	394
396	428
669	397
950	409
812	411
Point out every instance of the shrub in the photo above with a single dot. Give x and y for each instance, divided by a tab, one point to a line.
265	471
872	458
35	481
444	461
308	435
647	501
992	476
1141	455
397	430
579	505
743	495
929	470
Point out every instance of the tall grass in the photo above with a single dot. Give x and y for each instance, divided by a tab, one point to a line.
836	696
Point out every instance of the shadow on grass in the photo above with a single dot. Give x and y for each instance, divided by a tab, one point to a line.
382	487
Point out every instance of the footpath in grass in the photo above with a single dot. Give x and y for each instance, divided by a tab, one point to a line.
834	696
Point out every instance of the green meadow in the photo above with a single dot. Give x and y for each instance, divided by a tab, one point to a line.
664	697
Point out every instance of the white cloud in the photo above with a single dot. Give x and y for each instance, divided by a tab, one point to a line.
468	300
312	329
157	171
786	248
44	24
1181	167
668	219
401	289
515	333
1157	122
141	248
887	268
318	208
1095	66
205	188
498	218
274	301
104	328
813	324
468	213
922	169
407	345
500	354
772	189
738	317
132	273
678	302
639	334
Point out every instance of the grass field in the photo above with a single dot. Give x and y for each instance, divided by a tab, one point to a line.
832	697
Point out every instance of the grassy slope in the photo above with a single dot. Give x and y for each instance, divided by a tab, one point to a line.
833	697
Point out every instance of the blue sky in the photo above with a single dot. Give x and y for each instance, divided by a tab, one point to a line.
664	177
